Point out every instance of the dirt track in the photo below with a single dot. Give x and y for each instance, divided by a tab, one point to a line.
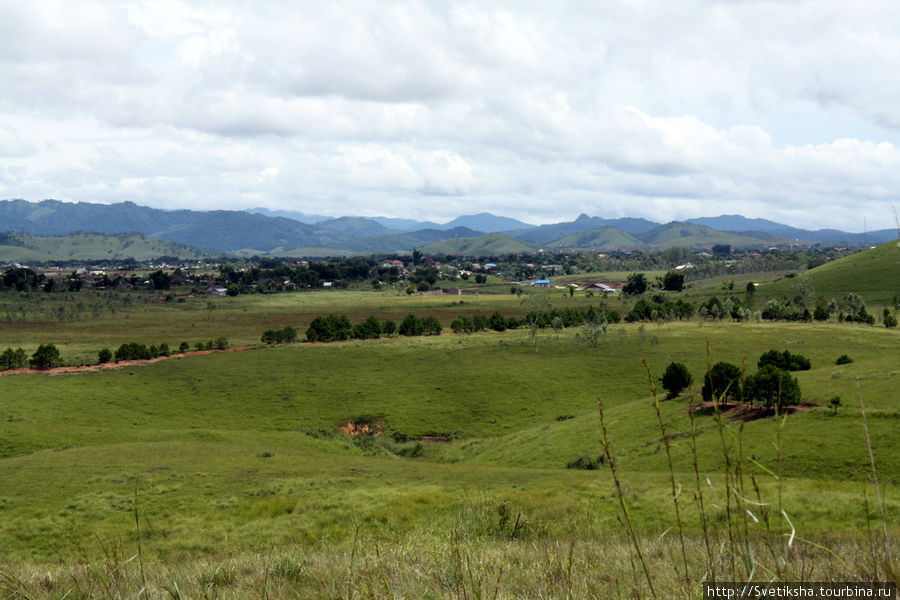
117	365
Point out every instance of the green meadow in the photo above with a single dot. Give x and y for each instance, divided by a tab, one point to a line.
226	475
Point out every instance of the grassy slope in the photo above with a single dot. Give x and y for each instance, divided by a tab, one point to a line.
491	244
874	274
190	435
93	246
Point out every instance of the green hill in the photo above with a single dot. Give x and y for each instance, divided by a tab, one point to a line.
484	245
602	237
689	235
874	274
20	247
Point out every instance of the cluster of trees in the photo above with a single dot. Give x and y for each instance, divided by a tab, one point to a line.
557	318
288	335
45	357
659	308
138	351
335	328
771	386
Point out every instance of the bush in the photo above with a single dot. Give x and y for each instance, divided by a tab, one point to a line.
772	386
784	360
184	347
46	357
411	326
587	463
843	359
675	379
723	381
13	359
133	351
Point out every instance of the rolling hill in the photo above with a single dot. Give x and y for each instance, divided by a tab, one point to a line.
694	236
491	244
90	246
602	238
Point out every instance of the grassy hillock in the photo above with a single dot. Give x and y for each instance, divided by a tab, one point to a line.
491	244
688	235
21	247
604	237
874	274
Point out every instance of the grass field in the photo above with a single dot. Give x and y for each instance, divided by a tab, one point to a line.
226	474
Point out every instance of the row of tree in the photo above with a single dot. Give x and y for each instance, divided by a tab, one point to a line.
335	328
771	386
45	357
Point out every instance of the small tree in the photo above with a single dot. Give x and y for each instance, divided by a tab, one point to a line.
104	356
673	281
636	284
835	403
772	386
890	321
46	357
723	382
675	379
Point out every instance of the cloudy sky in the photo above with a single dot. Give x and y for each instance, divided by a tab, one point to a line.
788	110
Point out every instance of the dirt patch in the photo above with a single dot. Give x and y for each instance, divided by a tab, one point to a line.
744	412
118	365
362	428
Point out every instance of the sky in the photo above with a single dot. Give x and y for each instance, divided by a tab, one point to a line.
787	110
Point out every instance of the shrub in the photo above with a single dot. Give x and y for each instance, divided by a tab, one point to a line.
587	463
411	326
772	386
675	379
46	357
843	359
184	347
784	360
723	381
133	351
13	359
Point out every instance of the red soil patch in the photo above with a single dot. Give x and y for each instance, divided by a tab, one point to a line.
118	365
351	428
745	413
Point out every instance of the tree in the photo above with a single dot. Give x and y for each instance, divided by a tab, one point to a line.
480	278
722	382
431	325
388	327
636	284
411	326
46	357
784	360
673	281
772	386
13	359
160	280
104	356
675	379
890	321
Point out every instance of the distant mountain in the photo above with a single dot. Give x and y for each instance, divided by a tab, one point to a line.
407	241
490	244
486	222
765	229
220	230
690	235
289	214
601	238
355	226
405	224
544	234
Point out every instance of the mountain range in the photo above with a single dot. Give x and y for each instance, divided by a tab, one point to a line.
264	232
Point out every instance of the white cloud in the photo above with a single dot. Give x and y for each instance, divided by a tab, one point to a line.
534	110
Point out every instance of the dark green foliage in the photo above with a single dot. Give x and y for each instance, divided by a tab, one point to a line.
329	329
772	387
370	329
750	289
164	349
431	326
480	278
843	359
890	321
133	351
388	327
160	280
287	335
587	463
46	357
835	403
13	359
722	382
497	322
221	343
636	284
411	326
713	308
673	281
659	308
675	379
821	313
784	360
184	347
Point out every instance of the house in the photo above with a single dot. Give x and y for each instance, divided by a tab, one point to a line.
541	283
601	287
